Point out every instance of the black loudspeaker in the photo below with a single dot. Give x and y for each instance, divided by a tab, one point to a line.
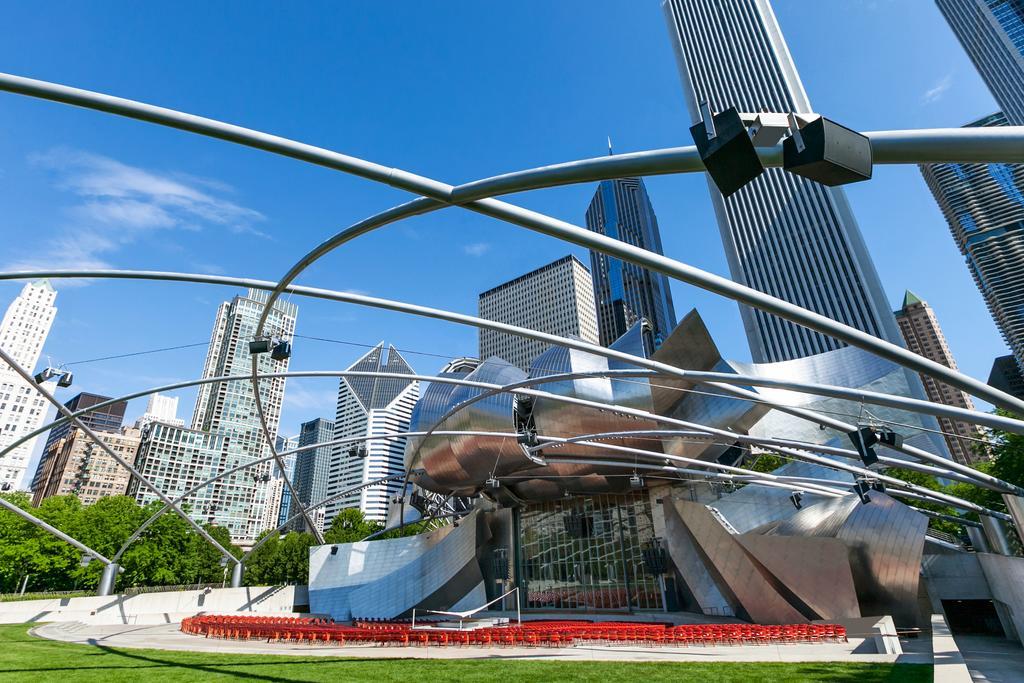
863	439
281	351
730	157
832	154
861	488
259	346
655	558
731	456
890	438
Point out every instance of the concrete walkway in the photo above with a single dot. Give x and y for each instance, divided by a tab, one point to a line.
168	637
991	659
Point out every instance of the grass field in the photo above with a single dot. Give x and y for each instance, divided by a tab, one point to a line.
26	658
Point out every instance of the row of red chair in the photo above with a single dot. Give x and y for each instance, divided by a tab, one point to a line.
529	634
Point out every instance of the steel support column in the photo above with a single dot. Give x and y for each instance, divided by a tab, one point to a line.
108	580
1015	506
995	533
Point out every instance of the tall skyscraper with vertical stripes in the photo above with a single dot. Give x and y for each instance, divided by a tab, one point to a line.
992	33
625	292
783	235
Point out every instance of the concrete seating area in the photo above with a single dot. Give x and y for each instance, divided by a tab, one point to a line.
528	634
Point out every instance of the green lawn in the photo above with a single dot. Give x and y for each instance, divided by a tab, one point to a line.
26	658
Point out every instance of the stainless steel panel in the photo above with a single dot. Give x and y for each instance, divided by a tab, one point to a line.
735	573
815	571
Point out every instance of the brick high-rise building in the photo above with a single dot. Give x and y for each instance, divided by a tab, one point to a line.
923	335
76	464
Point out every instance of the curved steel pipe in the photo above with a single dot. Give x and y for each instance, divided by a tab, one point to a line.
203	484
314	506
61	408
538	222
394	527
704	474
797	453
775	442
463	319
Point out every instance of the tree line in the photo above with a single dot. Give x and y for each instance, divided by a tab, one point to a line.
168	553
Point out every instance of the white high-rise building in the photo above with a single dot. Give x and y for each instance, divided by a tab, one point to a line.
22	410
557	298
371	406
160	409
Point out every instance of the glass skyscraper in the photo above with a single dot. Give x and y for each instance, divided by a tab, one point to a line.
992	33
783	235
984	206
983	203
625	292
225	429
311	468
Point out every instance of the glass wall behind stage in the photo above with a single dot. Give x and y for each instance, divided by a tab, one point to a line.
586	553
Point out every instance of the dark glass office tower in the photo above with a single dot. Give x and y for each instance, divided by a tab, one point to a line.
625	292
311	467
783	235
992	33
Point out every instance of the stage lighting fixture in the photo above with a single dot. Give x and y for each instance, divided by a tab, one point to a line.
259	346
863	439
726	149
861	488
827	152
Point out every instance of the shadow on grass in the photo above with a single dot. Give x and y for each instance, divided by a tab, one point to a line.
33	658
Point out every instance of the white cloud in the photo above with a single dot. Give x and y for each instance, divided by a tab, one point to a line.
935	93
477	248
118	204
299	396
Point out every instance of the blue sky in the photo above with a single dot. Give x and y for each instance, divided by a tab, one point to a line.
452	90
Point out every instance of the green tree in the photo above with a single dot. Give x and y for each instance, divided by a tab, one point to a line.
261	569
280	560
350	526
929	482
766	462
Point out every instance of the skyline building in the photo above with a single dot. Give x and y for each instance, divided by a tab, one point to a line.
225	430
278	507
984	207
1005	375
311	469
23	331
230	407
783	234
992	34
75	464
177	459
923	335
160	408
557	298
370	406
106	419
626	292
